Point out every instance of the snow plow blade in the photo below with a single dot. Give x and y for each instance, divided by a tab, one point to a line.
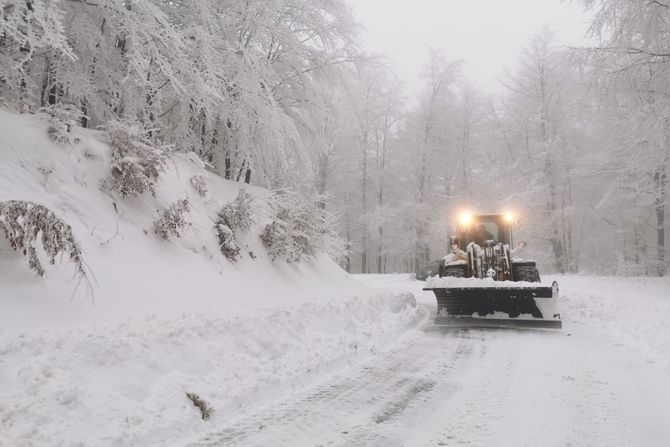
497	307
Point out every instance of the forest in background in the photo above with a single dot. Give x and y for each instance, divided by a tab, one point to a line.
279	93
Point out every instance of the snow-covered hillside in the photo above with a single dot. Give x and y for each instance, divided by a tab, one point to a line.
161	318
133	271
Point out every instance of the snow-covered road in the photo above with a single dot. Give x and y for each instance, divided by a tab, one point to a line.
575	387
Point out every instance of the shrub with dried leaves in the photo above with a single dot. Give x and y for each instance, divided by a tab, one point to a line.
136	161
201	404
23	222
171	221
232	220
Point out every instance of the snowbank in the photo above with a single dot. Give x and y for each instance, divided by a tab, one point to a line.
165	318
127	384
632	312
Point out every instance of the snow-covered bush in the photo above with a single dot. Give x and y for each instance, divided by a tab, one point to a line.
171	221
292	235
199	183
62	119
275	237
23	222
136	161
232	220
299	230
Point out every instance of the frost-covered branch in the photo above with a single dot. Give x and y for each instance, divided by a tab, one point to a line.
24	222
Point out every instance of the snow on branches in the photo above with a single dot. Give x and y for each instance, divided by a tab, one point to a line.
171	221
136	162
32	25
234	81
232	220
62	119
23	222
299	230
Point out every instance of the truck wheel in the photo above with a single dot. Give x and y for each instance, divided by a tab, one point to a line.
455	271
527	273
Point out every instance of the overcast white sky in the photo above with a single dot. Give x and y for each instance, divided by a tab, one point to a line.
486	33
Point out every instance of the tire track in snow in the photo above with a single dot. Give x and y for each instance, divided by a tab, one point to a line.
455	388
478	404
596	418
358	406
533	389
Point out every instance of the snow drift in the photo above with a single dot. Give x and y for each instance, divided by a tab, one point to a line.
111	364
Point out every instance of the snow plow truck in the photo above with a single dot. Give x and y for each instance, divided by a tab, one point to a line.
483	282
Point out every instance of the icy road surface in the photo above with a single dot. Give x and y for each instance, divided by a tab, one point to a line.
575	387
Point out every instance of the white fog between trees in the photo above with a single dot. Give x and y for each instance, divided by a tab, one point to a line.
280	93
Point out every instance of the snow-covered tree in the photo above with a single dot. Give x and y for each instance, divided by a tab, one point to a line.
540	108
633	62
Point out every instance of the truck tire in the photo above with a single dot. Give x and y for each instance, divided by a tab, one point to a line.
527	273
456	271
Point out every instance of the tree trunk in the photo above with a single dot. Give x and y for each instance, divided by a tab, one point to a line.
24	105
364	202
660	180
554	218
323	172
227	168
347	230
381	169
380	253
45	96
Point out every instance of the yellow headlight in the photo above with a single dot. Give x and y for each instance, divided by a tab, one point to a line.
465	218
